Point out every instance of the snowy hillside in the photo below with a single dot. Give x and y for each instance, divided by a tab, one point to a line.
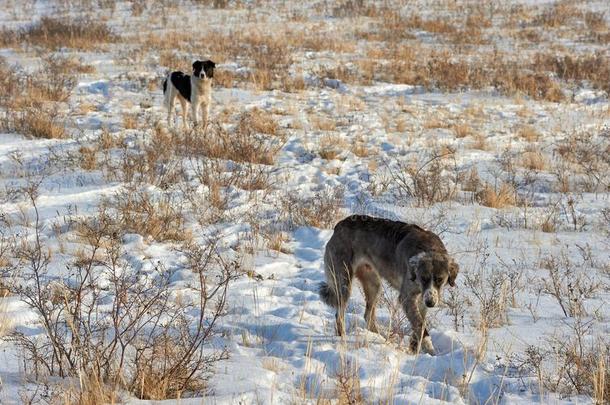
144	263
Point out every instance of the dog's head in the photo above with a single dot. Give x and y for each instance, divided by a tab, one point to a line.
432	270
203	69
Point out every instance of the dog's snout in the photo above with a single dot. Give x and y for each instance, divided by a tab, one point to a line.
430	298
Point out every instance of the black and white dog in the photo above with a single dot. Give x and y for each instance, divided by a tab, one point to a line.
195	89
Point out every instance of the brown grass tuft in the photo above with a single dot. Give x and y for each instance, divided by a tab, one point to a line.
528	133
259	121
496	197
461	130
33	123
534	160
331	147
56	33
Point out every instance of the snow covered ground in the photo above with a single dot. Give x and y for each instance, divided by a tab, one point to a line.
518	189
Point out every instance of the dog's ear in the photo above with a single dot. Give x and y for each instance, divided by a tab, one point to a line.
453	272
197	65
414	264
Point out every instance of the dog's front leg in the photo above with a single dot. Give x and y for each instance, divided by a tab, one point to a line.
205	112
194	108
170	111
410	299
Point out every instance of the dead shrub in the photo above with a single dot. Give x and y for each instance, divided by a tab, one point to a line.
557	15
592	68
528	133
496	197
121	328
54	81
437	26
258	121
348	384
428	178
331	147
34	123
56	33
321	210
228	79
130	121
321	123
539	86
569	283
589	155
461	130
270	55
448	75
490	292
533	160
174	61
361	148
293	83
241	144
156	162
572	364
472	181
595	20
142	212
88	158
65	65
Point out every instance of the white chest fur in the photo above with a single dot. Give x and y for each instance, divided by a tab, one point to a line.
201	90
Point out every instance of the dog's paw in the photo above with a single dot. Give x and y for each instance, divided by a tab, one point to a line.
425	346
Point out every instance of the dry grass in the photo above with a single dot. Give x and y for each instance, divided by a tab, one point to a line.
91	391
88	158
322	123
461	130
496	197
53	82
479	141
534	160
53	33
5	321
259	121
320	211
361	148
34	123
331	147
139	211
472	181
528	133
241	144
174	61
557	15
130	121
594	69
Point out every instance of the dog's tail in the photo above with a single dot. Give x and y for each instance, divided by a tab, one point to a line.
328	295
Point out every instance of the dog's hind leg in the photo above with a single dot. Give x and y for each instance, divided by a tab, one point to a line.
170	109
169	99
344	289
337	288
184	111
371	284
416	313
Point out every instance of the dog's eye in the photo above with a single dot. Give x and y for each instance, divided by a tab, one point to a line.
438	280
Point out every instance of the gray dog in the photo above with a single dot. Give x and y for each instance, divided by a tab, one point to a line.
411	259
